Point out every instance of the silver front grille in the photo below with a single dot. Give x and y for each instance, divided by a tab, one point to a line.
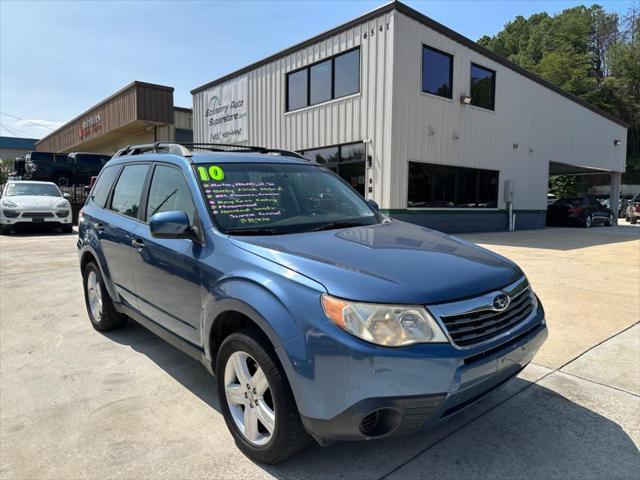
472	322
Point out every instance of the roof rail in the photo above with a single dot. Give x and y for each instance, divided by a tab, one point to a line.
185	149
157	147
229	147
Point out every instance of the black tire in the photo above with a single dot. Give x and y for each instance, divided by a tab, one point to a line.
610	220
5	230
63	180
588	221
109	319
289	436
67	229
634	220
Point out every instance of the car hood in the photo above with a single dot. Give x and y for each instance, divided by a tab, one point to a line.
393	262
33	201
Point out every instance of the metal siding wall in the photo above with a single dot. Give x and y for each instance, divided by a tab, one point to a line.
182	119
351	119
526	113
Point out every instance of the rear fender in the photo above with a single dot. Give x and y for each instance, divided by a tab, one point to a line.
90	249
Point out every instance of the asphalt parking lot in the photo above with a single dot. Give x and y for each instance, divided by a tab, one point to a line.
75	403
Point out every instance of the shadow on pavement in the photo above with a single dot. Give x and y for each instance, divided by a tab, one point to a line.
536	433
558	238
39	232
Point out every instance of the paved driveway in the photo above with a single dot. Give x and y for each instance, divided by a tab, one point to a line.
78	404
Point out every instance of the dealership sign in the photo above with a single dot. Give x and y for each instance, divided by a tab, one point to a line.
90	126
226	112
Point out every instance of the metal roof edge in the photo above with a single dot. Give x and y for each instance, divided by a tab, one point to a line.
457	37
387	7
430	23
135	83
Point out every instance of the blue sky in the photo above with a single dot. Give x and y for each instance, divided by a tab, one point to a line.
59	58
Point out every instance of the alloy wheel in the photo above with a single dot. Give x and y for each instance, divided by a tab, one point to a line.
94	294
249	398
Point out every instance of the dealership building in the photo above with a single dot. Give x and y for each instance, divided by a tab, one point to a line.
138	113
435	128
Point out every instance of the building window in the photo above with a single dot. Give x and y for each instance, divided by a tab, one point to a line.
347	74
443	186
483	87
437	72
348	161
335	77
297	90
320	76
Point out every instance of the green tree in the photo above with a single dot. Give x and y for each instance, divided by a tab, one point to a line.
587	51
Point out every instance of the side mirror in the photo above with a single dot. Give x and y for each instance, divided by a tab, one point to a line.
373	205
173	224
66	195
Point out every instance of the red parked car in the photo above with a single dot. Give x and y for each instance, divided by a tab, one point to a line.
582	211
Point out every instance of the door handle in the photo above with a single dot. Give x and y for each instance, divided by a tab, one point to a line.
137	244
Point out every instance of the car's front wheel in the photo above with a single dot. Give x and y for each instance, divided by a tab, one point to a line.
102	313
257	402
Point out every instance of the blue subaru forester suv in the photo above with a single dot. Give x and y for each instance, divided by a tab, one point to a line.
320	317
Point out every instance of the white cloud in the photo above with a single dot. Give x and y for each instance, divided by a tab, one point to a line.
39	123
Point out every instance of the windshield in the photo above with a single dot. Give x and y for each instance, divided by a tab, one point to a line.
42	189
268	199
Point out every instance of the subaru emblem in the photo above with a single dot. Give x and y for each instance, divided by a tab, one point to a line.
501	302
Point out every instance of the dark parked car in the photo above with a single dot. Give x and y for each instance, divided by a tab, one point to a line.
321	318
583	211
64	169
633	210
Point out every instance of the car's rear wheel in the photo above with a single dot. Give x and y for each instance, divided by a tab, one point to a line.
610	220
256	399
634	220
588	221
102	313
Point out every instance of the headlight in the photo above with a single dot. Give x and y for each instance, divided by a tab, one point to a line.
388	325
62	204
9	204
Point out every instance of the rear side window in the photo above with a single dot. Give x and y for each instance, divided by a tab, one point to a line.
127	192
168	192
569	202
103	186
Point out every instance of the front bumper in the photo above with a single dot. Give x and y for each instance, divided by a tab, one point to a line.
379	392
23	218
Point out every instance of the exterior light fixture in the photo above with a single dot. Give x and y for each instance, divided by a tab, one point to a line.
465	99
616	142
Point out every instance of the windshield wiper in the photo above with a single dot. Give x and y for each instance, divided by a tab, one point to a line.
253	231
334	225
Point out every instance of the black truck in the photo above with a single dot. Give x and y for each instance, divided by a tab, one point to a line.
64	169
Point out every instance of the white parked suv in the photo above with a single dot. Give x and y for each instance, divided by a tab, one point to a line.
24	203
